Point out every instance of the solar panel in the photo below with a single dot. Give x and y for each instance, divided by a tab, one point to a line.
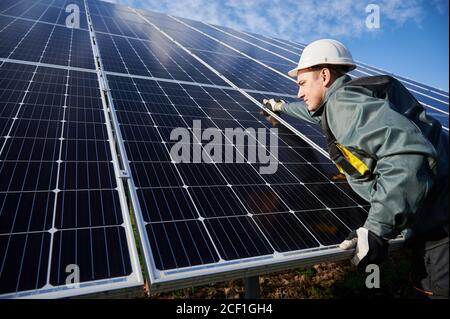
50	11
62	206
81	146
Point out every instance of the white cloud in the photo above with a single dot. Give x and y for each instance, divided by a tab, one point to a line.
301	20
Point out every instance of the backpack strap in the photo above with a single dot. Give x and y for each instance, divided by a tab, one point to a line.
344	159
378	84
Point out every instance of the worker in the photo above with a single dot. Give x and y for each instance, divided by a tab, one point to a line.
392	153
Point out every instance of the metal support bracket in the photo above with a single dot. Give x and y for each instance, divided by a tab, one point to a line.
252	288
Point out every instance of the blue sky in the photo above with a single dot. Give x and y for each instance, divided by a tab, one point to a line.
412	40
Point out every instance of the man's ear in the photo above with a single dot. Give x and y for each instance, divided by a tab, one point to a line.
325	75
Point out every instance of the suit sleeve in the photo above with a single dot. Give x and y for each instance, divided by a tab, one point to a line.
402	185
299	110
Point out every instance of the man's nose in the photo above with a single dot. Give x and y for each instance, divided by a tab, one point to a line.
300	93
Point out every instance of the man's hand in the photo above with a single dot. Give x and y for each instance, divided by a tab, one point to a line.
274	105
370	248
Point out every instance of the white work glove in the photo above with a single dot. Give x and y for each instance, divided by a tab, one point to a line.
370	248
274	105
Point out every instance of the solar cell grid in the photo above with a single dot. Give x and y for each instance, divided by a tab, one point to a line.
286	232
248	74
262	42
57	183
187	37
43	11
152	59
239	44
27	40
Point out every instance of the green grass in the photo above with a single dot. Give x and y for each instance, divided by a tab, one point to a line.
307	272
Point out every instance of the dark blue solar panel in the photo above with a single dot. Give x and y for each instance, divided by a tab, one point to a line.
153	59
247	48
188	37
180	244
5	5
25	261
11	35
44	11
58	187
279	43
261	42
30	41
52	15
248	74
101	252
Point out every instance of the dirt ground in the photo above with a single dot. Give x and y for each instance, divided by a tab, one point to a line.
322	281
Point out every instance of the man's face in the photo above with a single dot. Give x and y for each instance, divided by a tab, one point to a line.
311	88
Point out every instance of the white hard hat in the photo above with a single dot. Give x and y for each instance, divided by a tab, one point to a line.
324	51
